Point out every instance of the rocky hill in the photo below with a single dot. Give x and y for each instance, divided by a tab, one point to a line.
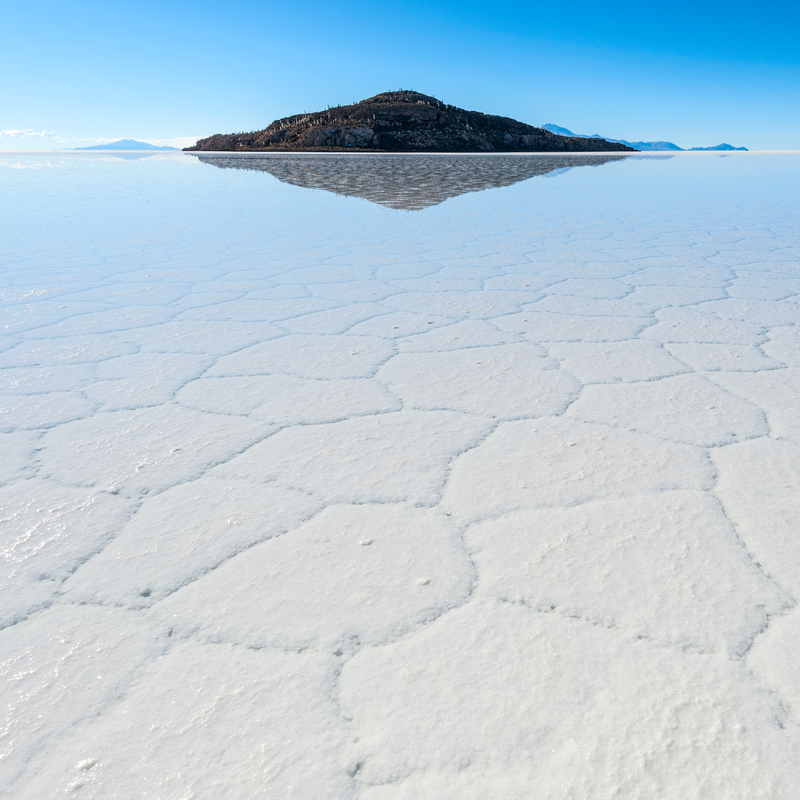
402	122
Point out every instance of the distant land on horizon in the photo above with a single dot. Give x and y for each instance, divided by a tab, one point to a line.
125	144
644	146
402	121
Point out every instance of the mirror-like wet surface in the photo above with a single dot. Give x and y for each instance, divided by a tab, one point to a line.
464	477
400	181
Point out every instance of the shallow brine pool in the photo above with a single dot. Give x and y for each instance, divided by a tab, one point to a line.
332	476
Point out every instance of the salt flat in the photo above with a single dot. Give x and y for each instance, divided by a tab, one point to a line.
400	476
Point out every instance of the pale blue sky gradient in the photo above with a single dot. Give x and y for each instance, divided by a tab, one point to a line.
693	73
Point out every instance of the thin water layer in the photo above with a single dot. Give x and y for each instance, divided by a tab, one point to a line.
397	476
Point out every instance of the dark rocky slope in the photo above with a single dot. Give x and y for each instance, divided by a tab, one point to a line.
402	122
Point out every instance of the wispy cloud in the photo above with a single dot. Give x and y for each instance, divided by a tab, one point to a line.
29	133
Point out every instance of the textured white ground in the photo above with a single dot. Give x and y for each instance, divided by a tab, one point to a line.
304	497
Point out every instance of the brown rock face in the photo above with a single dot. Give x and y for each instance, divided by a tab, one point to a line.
402	122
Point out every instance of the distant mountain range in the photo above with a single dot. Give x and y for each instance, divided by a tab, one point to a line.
644	146
126	144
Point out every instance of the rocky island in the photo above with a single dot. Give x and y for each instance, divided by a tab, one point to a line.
403	121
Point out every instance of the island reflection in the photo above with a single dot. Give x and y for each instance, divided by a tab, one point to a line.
410	182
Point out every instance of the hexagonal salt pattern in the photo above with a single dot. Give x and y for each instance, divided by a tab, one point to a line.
495	698
274	712
353	575
305	496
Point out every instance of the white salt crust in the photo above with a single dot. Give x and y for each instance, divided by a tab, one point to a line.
306	497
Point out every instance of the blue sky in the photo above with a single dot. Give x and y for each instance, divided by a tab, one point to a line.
693	73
